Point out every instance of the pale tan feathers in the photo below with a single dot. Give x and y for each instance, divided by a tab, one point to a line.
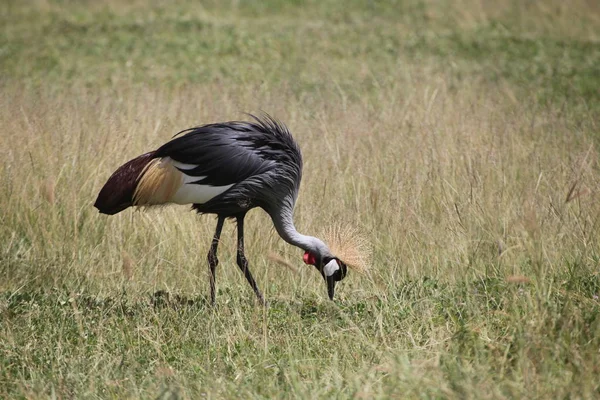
349	245
159	182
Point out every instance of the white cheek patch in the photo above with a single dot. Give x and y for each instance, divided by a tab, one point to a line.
330	268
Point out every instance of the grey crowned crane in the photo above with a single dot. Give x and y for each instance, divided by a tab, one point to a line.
225	169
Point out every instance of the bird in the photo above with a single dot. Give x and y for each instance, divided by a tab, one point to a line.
226	169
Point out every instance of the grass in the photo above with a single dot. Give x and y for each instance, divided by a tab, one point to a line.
460	137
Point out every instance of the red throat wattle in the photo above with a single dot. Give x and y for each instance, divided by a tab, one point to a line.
309	258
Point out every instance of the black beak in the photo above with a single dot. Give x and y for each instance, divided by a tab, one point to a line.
330	286
335	276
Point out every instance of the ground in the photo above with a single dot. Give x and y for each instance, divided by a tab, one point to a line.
460	137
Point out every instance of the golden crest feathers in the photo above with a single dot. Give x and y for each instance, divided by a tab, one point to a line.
350	246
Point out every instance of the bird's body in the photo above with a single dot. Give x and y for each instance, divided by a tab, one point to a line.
224	169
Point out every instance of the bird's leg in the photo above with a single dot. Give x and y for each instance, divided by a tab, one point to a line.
212	258
241	259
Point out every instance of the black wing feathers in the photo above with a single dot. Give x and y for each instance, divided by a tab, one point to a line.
228	153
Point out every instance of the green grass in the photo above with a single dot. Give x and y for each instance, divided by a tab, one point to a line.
351	46
459	137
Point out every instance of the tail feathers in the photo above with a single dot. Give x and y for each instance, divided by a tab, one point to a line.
118	192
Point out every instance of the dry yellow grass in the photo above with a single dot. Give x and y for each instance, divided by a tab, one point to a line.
437	178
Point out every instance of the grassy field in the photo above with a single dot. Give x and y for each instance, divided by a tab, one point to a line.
461	137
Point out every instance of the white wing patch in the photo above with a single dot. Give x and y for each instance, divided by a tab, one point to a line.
193	193
181	165
189	193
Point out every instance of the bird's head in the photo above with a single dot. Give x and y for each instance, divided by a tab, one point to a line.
331	268
346	248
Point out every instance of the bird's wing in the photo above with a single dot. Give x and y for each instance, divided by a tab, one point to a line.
217	154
